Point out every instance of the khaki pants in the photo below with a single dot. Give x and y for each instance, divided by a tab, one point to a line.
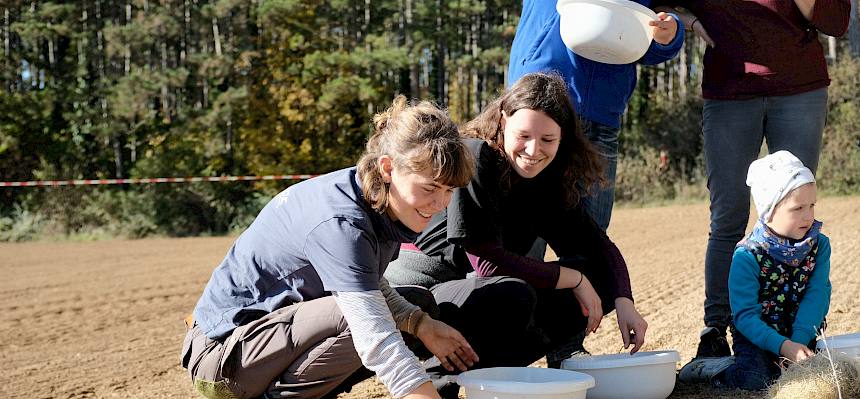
304	350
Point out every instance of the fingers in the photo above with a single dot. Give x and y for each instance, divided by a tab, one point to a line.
707	38
662	24
638	341
468	355
454	358
462	359
459	354
464	350
625	336
591	324
700	30
805	353
444	362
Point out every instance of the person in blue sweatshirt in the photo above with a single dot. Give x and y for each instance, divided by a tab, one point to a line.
599	91
779	282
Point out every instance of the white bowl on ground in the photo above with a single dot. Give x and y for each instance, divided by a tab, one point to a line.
848	344
644	375
524	383
607	31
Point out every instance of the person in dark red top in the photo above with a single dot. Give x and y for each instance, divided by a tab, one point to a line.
532	161
765	79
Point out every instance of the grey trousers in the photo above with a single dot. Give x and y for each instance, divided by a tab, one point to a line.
304	350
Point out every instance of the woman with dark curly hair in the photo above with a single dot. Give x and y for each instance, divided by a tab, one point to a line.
532	164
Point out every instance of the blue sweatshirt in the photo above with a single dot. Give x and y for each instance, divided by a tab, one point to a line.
599	91
744	288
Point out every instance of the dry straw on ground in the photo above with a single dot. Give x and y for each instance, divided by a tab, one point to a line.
818	378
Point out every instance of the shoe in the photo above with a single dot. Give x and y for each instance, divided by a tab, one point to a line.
713	343
572	348
450	391
704	369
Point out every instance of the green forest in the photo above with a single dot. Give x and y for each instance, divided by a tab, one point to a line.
98	89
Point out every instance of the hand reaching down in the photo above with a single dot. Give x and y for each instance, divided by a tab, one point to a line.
631	324
447	344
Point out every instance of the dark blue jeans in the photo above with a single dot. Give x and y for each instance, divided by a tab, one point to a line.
754	368
605	141
734	132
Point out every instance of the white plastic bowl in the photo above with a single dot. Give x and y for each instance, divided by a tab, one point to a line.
524	383
645	375
848	344
607	31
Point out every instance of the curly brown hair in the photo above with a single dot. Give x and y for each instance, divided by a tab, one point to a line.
580	165
417	136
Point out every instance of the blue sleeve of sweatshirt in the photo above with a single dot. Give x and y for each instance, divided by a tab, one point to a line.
743	298
816	300
658	53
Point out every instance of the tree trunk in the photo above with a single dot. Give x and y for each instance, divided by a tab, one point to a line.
831	48
216	35
854	30
682	72
441	50
127	65
7	79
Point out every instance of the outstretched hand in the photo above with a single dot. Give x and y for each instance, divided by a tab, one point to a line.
664	28
631	324
447	344
590	304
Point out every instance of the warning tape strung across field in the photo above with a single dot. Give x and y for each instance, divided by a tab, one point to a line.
148	180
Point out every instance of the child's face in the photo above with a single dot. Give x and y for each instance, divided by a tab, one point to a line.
793	216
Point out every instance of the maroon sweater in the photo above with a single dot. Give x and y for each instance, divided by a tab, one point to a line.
765	47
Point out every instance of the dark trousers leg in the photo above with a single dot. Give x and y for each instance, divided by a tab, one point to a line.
495	314
754	368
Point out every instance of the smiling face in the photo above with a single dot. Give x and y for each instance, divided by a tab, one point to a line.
793	216
413	197
531	141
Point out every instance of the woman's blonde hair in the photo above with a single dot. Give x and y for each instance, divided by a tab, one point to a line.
578	163
417	136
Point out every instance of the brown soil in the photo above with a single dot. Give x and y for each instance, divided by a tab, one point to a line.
104	319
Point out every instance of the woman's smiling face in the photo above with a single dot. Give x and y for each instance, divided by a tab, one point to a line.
414	197
531	141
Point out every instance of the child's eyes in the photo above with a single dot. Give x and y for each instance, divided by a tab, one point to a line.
548	140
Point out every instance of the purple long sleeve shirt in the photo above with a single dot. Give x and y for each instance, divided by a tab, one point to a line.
764	47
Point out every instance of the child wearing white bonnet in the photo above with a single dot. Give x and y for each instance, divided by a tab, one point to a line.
779	281
773	177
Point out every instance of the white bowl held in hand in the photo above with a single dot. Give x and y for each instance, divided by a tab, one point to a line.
644	375
848	344
607	31
524	383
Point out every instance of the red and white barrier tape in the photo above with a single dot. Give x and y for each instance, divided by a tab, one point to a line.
147	180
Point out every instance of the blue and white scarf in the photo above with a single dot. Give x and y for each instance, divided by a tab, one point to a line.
782	249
